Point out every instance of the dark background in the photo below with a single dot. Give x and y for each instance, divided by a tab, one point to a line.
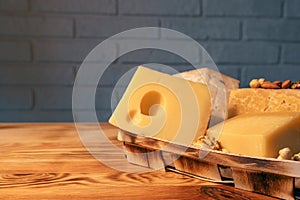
43	42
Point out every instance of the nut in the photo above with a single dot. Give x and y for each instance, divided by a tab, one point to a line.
269	85
208	143
296	85
261	81
285	84
296	157
254	83
285	154
277	83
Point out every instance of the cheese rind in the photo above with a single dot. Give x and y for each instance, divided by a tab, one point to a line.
261	134
224	84
210	77
251	100
163	106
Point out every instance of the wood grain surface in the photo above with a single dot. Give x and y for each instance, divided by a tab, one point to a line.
48	161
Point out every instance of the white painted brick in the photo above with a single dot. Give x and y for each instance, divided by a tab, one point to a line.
72	50
60	98
13	5
15	98
23	26
15	51
36	74
36	116
105	26
243	53
270	29
204	28
292	8
160	7
291	54
255	8
145	55
75	6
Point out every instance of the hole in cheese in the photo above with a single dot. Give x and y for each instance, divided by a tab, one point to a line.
150	103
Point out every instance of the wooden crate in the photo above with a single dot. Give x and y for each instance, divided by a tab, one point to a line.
276	178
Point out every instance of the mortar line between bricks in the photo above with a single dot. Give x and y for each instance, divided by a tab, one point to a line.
241	30
106	37
249	41
271	41
117	8
38	86
239	73
239	17
283	8
57	14
292	18
72	13
33	99
74	28
50	85
280	56
29	5
201	9
160	25
75	70
207	39
56	62
31	51
28	64
16	37
161	15
51	14
12	62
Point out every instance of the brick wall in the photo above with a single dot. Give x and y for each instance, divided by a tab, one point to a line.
43	42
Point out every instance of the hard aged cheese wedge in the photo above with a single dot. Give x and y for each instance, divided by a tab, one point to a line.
251	100
223	83
261	134
210	77
163	106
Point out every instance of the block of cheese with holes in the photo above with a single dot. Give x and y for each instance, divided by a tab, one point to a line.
260	134
251	100
163	106
217	80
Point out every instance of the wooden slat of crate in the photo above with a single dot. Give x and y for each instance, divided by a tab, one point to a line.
136	155
154	160
267	176
265	183
269	165
198	168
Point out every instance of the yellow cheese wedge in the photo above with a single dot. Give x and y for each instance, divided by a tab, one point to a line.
261	134
251	100
223	83
163	106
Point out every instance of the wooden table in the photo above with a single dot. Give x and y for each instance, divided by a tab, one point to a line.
48	161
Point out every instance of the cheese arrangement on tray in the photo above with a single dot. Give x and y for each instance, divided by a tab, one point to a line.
200	123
